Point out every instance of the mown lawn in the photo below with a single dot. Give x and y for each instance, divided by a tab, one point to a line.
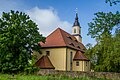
35	77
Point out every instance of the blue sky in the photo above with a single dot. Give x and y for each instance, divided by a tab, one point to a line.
50	14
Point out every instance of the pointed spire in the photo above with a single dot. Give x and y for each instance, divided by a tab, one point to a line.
76	23
76	18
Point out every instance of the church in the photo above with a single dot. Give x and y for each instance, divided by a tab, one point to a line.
63	51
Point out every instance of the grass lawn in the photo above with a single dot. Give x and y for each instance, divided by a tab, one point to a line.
35	77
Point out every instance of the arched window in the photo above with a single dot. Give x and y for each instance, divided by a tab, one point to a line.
86	63
77	63
74	30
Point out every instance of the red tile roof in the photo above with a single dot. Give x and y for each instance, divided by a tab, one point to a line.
60	38
44	63
80	56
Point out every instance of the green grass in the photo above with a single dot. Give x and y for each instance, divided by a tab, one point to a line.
35	77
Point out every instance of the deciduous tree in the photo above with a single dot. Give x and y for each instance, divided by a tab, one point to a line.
18	36
105	54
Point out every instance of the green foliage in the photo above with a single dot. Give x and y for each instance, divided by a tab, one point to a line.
103	24
31	70
18	36
105	55
90	54
112	2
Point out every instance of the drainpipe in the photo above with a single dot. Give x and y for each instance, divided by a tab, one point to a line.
66	58
82	65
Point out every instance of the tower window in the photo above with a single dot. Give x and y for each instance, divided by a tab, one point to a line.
77	63
48	53
74	30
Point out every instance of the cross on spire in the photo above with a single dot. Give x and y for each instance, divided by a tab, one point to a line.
76	10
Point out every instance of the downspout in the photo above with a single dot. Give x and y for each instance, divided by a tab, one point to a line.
66	58
82	65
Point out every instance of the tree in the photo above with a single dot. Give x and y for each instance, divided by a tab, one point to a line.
90	54
112	2
105	54
18	37
103	24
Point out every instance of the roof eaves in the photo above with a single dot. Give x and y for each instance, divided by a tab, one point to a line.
81	59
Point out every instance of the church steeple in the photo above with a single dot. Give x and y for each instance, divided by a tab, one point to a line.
76	29
76	23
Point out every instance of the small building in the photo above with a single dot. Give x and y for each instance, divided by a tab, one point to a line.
63	51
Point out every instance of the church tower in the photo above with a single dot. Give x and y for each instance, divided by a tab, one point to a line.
76	29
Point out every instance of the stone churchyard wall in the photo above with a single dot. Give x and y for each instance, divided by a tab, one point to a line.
106	75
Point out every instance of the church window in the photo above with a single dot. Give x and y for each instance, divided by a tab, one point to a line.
77	63
48	53
71	54
86	63
74	30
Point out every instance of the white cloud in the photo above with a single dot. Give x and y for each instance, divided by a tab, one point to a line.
47	20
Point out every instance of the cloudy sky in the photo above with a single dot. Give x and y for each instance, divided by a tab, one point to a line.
51	14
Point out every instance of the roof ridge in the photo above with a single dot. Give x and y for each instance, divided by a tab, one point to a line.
50	61
44	60
63	36
51	33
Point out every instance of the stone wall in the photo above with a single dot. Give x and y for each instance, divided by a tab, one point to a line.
107	75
